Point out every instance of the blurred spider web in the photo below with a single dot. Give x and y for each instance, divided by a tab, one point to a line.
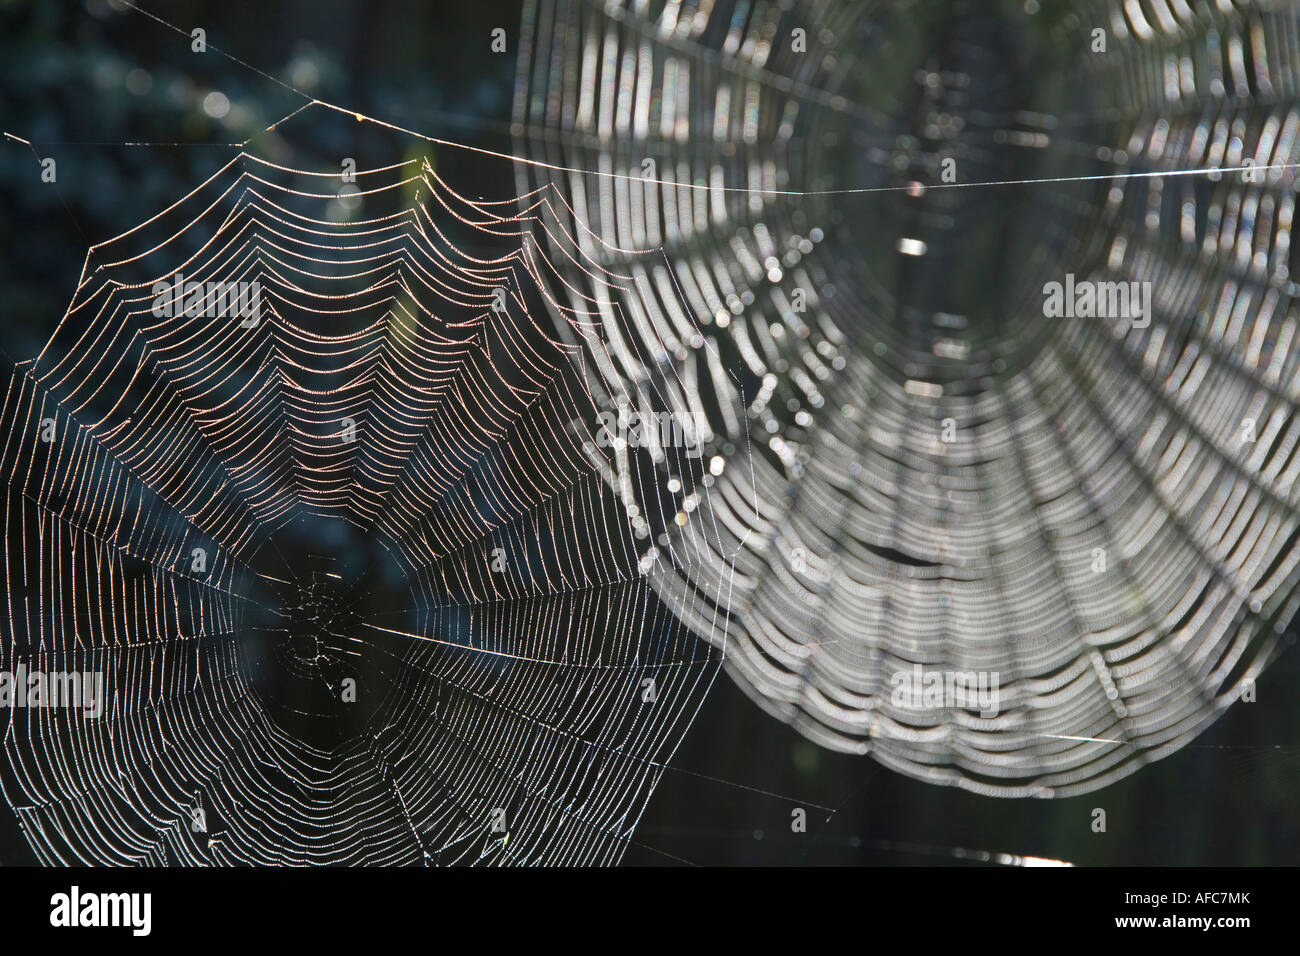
863	203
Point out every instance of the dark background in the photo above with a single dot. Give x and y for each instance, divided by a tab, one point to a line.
81	80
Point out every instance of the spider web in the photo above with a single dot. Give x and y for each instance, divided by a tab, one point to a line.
365	579
966	486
